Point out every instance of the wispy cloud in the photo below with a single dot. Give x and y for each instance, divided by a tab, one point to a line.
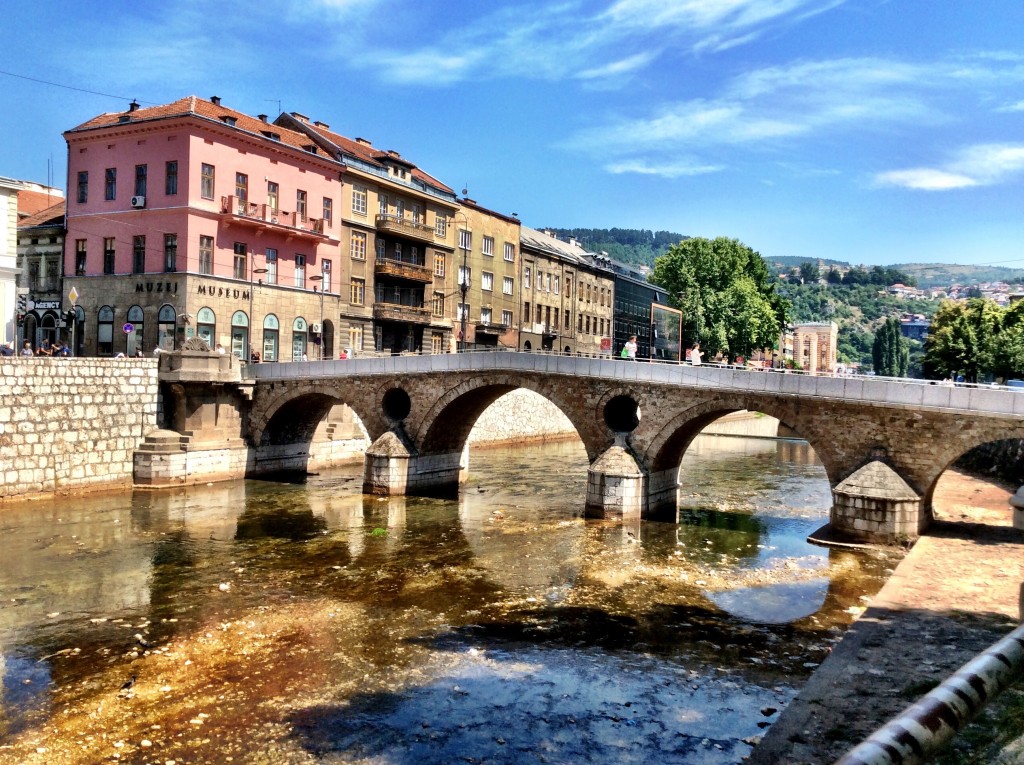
979	165
1013	107
672	170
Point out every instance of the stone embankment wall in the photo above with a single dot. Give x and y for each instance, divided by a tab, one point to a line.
70	425
518	417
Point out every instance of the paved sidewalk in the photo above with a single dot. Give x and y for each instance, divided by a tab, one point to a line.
958	591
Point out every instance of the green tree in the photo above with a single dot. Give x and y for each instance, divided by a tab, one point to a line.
963	339
890	352
833	276
726	293
809	272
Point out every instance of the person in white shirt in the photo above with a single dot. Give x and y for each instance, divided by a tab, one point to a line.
695	355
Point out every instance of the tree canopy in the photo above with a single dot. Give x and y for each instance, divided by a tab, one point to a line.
890	351
973	338
726	293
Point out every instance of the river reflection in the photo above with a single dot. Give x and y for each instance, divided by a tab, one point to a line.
312	621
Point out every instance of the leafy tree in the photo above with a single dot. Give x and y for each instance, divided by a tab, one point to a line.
890	352
726	293
809	272
833	276
856	276
962	339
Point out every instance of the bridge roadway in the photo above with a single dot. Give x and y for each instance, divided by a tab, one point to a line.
883	443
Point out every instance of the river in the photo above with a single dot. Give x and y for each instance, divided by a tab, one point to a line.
301	622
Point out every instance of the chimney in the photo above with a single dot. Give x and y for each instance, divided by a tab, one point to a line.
215	100
300	117
321	124
133	105
364	141
263	117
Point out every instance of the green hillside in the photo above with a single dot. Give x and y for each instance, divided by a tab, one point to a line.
945	274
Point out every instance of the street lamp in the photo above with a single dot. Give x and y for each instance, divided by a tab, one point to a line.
319	278
252	320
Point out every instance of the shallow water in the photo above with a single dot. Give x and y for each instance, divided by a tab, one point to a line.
306	622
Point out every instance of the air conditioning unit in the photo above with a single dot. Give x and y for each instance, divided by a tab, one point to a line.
314	328
138	201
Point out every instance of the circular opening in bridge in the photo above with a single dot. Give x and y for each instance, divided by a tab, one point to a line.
397	404
622	414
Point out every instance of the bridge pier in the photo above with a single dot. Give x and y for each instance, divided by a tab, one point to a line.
876	505
391	468
616	484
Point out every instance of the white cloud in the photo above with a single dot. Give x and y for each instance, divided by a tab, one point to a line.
1013	107
672	170
979	165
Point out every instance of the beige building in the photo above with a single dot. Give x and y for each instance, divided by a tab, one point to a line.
562	290
486	299
812	345
396	249
40	252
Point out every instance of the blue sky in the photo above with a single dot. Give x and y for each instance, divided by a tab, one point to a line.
870	131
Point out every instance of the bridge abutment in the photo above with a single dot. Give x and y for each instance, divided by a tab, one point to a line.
876	505
616	484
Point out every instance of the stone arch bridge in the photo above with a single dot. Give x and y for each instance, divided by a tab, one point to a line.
883	443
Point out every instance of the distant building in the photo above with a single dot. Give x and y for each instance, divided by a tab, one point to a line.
812	345
40	252
914	326
642	309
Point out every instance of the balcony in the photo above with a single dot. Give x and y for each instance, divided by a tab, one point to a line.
400	269
408	314
491	328
403	227
266	218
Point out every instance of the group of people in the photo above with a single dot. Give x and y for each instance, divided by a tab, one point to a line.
629	351
46	348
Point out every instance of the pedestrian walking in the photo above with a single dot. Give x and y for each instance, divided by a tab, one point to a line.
695	355
629	349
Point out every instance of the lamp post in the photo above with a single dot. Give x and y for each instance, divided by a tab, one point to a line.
463	278
252	319
319	279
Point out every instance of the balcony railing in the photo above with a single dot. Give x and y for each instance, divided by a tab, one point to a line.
263	215
393	224
411	314
491	327
417	272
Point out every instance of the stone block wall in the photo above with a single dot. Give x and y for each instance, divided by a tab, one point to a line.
521	416
69	425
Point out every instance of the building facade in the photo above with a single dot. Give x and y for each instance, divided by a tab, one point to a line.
191	219
396	244
487	284
642	309
40	256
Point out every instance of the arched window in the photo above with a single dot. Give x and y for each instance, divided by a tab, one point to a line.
79	331
136	341
206	326
105	332
271	333
240	334
165	327
299	339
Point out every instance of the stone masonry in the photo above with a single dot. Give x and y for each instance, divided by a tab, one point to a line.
70	425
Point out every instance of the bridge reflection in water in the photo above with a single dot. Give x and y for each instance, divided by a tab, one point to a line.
652	613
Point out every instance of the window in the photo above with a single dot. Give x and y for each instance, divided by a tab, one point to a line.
487	281
355	338
488	246
241	270
465	275
436	342
556	285
325	270
105	332
206	326
540	313
566	318
548	281
507	285
400	209
568	287
271	275
382	204
272	193
170	252
437	304
462	311
241	188
359	200
506	318
110	185
171	178
510	252
547	316
440	226
300	204
398	251
140	180
271	330
206	254
299	337
579	318
465	239
83	186
526	312
80	257
526	278
357	292
416	214
108	255
439	264
381	248
358	245
328	210
239	334
166	320
206	185
300	270
139	254
485	315
587	325
136	318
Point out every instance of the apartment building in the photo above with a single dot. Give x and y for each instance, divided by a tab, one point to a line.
396	244
40	254
191	219
487	309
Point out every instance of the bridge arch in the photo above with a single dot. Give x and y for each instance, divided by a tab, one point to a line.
290	415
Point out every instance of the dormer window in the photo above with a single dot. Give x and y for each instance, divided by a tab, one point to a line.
271	135
228	120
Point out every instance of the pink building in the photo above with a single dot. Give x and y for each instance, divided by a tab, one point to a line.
190	219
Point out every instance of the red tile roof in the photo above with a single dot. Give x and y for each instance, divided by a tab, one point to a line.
31	202
50	216
198	107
